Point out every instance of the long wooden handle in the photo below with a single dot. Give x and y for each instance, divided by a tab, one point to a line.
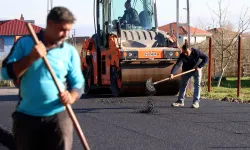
68	107
174	76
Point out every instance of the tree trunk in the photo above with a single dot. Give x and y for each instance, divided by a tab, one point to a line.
221	62
222	73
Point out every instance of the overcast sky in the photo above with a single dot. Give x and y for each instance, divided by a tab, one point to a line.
200	11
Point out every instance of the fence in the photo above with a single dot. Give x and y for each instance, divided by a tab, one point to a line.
229	55
246	69
232	67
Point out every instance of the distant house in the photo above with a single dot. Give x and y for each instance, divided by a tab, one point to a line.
228	34
196	35
10	31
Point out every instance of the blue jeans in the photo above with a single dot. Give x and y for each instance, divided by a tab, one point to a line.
183	85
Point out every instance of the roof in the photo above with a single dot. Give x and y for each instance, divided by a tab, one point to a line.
16	27
219	30
215	30
229	33
183	30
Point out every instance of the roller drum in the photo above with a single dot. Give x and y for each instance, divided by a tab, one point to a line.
135	74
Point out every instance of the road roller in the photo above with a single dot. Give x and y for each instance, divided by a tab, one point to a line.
127	49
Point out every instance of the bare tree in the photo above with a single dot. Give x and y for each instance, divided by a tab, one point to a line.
225	39
246	48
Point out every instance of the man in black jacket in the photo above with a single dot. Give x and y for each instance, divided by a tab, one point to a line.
130	15
189	59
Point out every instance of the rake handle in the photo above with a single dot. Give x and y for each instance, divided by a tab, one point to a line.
174	76
68	106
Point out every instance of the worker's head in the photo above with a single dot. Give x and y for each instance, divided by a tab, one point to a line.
59	24
185	49
128	4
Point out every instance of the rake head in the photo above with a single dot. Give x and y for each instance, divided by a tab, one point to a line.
150	89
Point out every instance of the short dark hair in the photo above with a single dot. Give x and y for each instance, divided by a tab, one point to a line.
185	45
61	14
128	2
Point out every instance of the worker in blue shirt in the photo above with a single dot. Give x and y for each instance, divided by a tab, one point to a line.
189	59
40	120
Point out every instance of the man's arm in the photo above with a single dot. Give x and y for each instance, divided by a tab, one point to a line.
135	18
17	62
204	58
177	65
17	53
123	18
18	68
75	80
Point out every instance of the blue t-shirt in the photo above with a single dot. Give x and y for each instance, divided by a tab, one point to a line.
38	92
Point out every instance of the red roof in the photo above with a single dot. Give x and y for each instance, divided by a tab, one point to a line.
183	30
16	27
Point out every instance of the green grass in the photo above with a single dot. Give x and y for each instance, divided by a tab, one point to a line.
229	89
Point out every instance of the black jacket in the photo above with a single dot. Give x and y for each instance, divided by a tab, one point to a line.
189	62
131	16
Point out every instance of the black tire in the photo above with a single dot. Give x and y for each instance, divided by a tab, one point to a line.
113	82
86	86
89	78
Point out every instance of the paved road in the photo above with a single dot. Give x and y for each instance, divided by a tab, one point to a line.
116	123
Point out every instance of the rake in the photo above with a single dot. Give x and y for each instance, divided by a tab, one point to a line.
150	88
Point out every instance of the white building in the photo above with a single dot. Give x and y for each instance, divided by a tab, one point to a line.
196	35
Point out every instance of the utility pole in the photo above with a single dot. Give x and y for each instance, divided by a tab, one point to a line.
190	87
188	22
182	24
49	5
177	21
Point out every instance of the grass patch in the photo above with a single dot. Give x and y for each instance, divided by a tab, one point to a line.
229	89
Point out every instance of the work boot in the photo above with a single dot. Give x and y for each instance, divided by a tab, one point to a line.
178	104
195	105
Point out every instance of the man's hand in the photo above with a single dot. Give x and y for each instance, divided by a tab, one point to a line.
178	46
38	51
197	68
66	98
171	76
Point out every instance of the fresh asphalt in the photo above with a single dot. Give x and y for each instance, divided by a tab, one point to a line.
119	124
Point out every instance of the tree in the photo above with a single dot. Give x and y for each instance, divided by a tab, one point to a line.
225	39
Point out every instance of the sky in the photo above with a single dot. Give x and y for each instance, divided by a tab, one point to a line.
200	12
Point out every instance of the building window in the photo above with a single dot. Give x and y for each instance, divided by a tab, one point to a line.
1	45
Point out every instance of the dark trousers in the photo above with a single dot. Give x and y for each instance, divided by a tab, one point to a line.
43	133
